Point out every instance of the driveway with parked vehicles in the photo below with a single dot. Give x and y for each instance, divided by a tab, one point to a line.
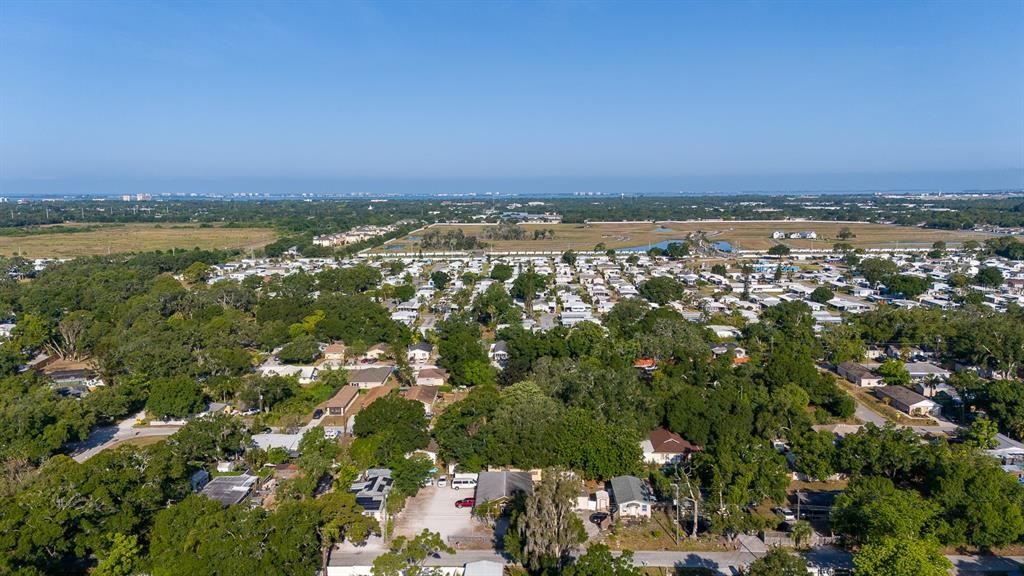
435	509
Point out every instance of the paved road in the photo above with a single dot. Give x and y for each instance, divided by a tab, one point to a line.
721	562
108	436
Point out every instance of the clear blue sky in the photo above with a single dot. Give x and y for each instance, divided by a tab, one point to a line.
537	96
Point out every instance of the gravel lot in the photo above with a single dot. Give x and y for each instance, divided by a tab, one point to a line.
434	509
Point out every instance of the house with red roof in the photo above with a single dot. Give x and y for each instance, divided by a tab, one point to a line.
663	446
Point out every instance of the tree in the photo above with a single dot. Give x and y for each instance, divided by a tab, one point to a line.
406	556
901	557
908	286
527	285
779	250
982	434
302	350
872	508
599	561
889	451
801	532
821	295
501	272
777	562
845	233
569	257
894	373
197	272
123	557
938	250
878	270
989	276
662	290
174	398
547	528
600	450
440	279
401	425
719	269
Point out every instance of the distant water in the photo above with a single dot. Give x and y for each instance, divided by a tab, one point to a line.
723	246
663	245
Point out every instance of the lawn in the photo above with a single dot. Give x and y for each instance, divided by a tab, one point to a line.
94	239
743	235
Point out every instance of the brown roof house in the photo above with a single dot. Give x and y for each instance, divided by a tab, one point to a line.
431	377
425	395
858	374
342	401
663	446
335	353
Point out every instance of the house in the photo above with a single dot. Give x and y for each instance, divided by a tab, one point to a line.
632	497
814	505
377	351
371	490
663	446
483	568
370	377
858	374
420	353
906	400
500	486
925	370
431	377
425	395
229	490
341	403
335	353
498	352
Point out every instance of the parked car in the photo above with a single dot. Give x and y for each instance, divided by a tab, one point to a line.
428	481
317	414
466	503
598	517
786	514
442	481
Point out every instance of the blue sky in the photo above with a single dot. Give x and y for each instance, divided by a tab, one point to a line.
521	96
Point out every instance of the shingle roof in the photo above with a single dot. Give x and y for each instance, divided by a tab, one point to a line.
666	441
629	489
497	485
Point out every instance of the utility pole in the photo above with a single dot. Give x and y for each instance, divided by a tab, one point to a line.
675	486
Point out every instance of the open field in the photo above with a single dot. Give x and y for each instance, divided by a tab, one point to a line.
113	238
742	235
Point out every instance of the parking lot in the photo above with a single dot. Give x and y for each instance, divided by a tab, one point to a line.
434	509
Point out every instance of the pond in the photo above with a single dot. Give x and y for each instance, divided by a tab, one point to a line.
663	245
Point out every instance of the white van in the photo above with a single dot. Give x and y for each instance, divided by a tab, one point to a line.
464	481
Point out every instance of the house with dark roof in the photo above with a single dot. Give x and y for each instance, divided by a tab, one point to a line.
229	490
858	374
906	400
633	499
371	490
341	403
500	486
663	446
370	377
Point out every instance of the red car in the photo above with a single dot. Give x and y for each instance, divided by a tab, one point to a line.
466	503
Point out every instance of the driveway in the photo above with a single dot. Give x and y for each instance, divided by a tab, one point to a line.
434	509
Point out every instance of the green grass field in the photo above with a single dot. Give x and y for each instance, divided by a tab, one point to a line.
115	238
749	235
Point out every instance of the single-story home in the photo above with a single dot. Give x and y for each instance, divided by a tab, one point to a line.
906	400
342	401
371	490
498	352
663	446
370	377
925	370
632	497
431	377
420	353
502	485
377	351
335	352
229	490
425	395
858	374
